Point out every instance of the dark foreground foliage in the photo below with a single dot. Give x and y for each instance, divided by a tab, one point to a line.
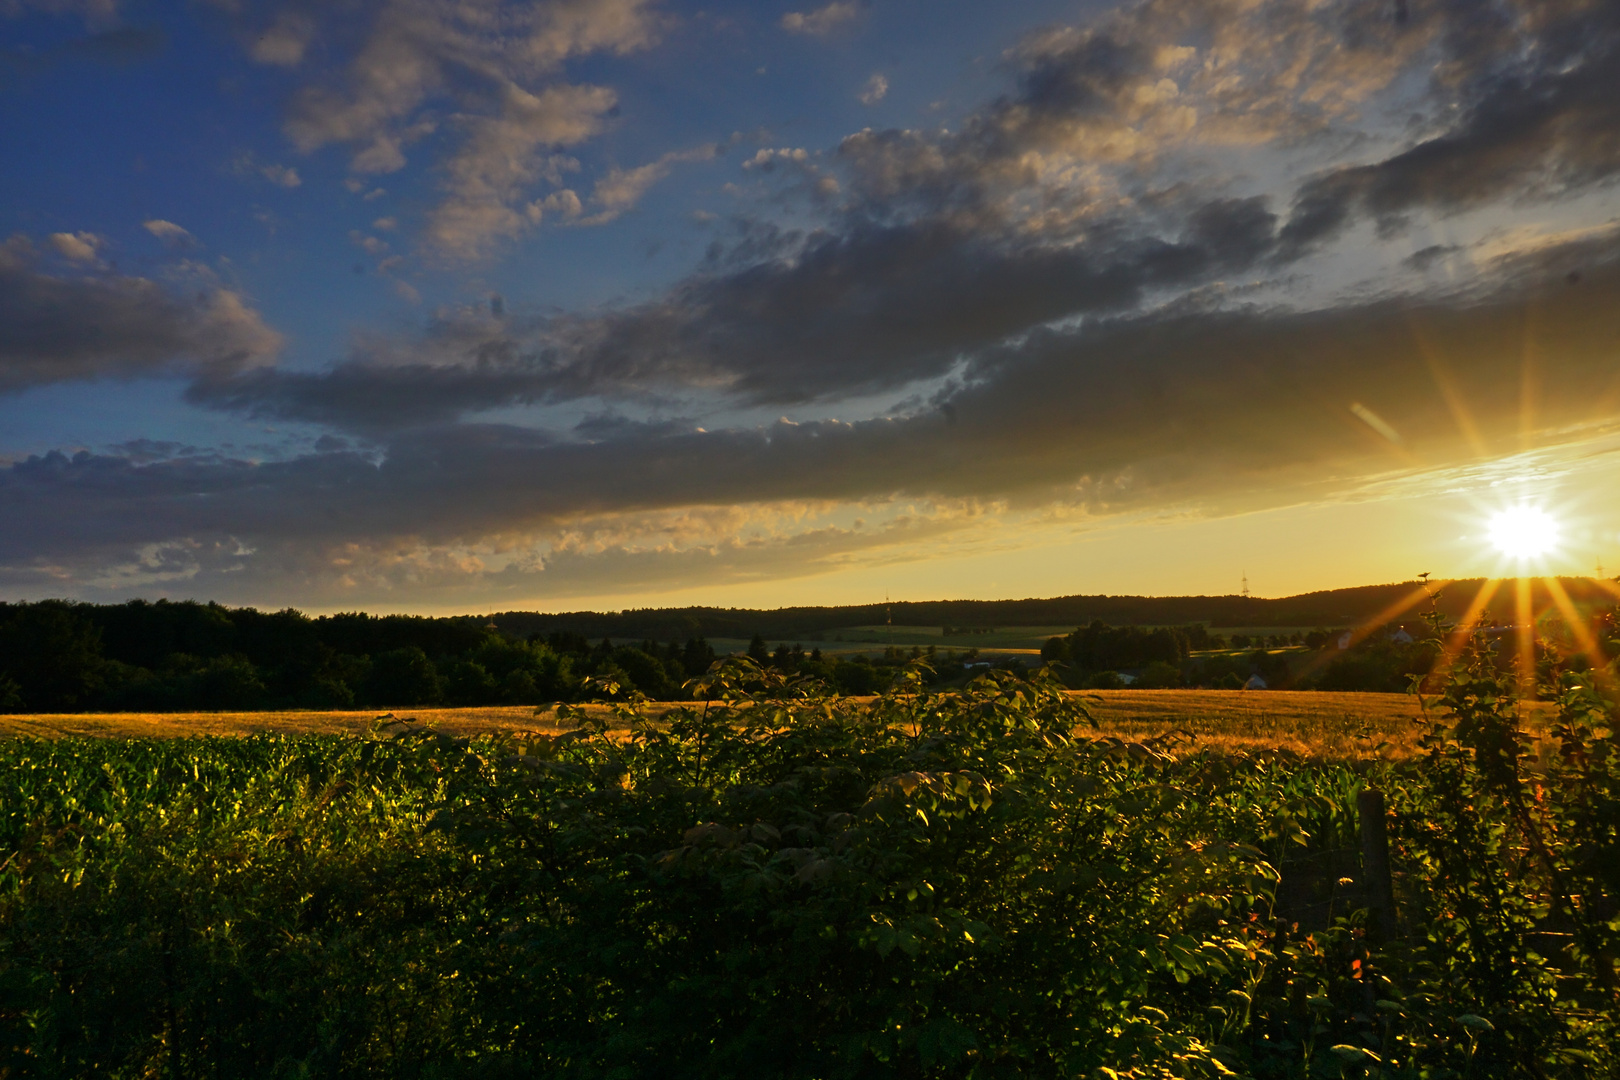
793	885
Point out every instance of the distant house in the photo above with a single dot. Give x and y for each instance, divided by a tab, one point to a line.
1400	636
1255	683
1346	639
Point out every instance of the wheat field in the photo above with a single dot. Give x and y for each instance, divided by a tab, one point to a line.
1316	724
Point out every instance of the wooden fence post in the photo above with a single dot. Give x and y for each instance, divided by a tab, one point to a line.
1375	858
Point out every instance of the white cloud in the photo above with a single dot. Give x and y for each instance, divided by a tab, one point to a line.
385	224
877	87
823	20
622	189
503	157
81	247
371	245
284	41
767	159
565	202
172	235
282	175
245	163
497	65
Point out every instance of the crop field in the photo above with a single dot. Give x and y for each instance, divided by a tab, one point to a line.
1315	724
1000	639
972	883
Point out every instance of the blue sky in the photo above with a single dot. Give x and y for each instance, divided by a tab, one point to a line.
465	304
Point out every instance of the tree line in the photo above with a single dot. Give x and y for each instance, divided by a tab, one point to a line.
1333	607
58	656
169	656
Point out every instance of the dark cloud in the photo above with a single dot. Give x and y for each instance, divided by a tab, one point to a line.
605	426
1127	412
967	255
124	45
1535	90
947	244
59	328
1425	258
878	306
839	314
1097	111
145	451
370	397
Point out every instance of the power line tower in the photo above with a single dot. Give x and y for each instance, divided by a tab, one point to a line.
1245	583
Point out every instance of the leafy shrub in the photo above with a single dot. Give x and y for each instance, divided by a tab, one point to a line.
791	884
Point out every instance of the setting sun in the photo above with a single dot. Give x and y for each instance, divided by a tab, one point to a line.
1523	532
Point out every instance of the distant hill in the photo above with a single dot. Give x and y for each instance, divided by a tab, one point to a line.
166	656
1328	608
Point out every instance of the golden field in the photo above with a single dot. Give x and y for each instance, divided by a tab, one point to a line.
1339	726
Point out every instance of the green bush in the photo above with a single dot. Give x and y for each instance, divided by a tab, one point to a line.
792	884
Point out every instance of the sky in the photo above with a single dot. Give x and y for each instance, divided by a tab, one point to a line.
474	305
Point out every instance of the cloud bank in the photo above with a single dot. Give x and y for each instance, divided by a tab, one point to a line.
488	73
77	324
1127	413
1097	292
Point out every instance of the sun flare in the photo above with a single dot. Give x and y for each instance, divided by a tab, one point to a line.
1524	532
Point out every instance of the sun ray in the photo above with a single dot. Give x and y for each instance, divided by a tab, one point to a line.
1453	645
1524	634
1449	393
1529	376
1577	626
1360	633
1606	585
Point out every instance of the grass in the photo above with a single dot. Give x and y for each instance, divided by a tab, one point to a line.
1315	724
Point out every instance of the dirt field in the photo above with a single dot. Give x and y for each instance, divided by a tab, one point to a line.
1340	726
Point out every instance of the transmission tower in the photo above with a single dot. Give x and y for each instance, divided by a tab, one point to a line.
1245	583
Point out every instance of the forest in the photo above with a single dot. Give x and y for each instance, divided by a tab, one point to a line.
169	656
58	656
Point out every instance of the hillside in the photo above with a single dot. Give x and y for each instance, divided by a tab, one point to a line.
1328	608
